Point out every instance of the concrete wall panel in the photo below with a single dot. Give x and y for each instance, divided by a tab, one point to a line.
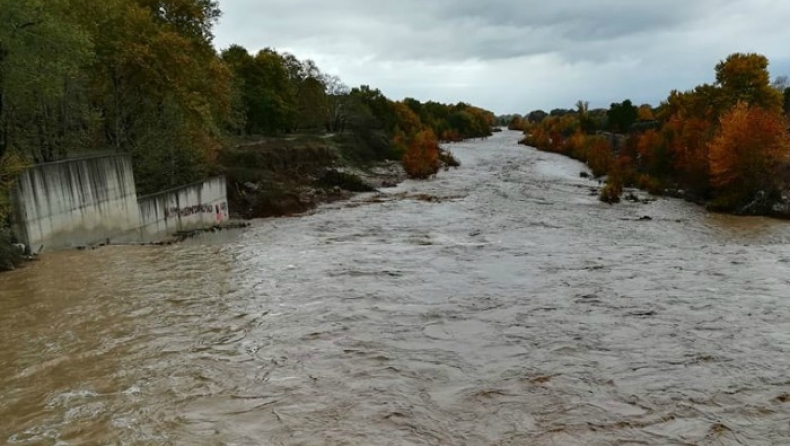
90	201
196	206
77	203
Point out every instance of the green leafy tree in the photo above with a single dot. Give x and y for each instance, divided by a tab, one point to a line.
622	116
43	107
267	94
160	90
745	78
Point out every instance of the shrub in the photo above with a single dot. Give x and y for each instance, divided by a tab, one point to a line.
600	156
10	256
622	169
421	159
611	192
576	147
537	138
447	158
650	184
451	136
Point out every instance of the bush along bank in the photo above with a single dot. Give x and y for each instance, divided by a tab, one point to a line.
11	255
723	145
284	176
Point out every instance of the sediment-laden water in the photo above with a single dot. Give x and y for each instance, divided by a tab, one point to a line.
499	304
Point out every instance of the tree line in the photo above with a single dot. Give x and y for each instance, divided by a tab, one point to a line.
142	77
725	143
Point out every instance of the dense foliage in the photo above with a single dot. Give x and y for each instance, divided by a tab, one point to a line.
142	77
724	143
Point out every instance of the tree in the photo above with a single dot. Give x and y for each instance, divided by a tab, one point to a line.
786	101
269	98
745	78
190	18
537	116
748	151
378	104
11	165
645	113
336	112
408	121
43	98
781	83
652	153
560	112
622	116
157	84
421	159
307	87
586	121
516	123
313	102
687	143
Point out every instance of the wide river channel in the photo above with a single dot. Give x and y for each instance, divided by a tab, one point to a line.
498	304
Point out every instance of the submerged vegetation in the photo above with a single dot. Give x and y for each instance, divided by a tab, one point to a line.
142	77
725	144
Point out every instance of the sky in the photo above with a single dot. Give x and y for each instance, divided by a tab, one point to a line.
514	56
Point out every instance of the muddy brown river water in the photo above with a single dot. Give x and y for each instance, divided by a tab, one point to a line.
499	304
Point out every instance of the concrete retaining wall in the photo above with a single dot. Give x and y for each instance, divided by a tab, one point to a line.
84	202
196	206
77	203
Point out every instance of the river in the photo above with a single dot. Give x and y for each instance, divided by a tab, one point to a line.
498	304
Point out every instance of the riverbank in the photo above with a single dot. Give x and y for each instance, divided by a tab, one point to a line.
611	167
281	176
286	176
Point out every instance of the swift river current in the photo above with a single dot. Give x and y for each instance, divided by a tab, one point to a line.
497	304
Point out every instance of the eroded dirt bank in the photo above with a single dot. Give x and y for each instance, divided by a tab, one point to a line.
287	176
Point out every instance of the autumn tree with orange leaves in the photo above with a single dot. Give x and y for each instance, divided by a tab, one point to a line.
747	152
721	142
421	159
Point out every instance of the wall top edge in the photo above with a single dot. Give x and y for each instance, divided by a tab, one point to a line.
179	188
81	158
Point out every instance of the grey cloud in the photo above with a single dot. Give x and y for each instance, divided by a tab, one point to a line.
461	29
595	46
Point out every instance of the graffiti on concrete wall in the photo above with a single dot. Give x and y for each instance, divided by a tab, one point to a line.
219	210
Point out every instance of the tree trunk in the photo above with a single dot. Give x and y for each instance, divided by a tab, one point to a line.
3	134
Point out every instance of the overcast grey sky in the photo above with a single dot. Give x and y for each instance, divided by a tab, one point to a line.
515	56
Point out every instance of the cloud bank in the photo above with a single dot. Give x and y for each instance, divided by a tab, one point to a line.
514	56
